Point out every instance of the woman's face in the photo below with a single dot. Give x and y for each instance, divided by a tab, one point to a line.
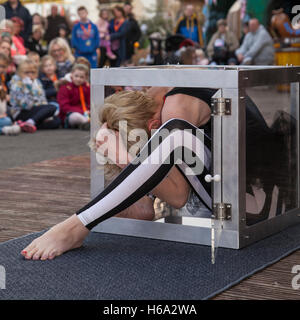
118	14
58	53
29	72
5	48
49	68
36	20
37	35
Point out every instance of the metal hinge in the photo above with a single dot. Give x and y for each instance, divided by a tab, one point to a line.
222	211
221	106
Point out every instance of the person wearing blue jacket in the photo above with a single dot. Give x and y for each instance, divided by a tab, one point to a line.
85	38
118	29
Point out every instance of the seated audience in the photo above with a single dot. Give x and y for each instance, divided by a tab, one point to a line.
74	99
61	52
222	45
5	48
35	57
29	105
257	47
18	51
49	80
7	127
34	41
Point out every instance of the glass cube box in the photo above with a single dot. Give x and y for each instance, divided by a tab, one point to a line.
255	152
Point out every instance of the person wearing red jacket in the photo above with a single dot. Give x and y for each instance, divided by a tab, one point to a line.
74	99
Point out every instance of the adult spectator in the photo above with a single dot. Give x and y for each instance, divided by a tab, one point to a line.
189	25
257	47
245	30
37	19
54	20
61	52
118	29
14	8
85	38
222	45
18	26
18	51
34	41
134	32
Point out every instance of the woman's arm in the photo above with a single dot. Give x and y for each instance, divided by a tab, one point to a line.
122	32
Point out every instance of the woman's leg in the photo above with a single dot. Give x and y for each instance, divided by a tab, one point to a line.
176	141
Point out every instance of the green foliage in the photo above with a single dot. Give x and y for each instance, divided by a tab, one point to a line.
158	21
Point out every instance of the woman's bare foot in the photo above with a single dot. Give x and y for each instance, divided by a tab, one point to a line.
65	236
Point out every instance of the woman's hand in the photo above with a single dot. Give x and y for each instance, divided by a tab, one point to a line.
111	145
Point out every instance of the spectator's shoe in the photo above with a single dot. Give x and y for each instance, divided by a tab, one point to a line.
13	130
85	126
26	126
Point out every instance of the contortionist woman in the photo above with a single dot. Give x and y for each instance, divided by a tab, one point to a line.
162	167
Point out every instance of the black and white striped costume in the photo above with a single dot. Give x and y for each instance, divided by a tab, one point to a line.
154	163
140	176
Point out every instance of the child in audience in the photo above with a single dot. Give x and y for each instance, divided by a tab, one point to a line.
79	60
5	48
4	78
48	78
74	99
35	57
105	45
6	125
28	101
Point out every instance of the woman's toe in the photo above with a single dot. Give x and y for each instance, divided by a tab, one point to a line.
36	256
52	255
30	253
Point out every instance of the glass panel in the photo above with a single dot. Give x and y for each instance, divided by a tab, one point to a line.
198	209
271	153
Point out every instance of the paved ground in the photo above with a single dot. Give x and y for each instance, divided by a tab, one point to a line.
42	145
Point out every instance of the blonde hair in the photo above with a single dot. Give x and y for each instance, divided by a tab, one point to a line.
37	27
27	63
63	44
81	67
6	23
46	58
136	108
